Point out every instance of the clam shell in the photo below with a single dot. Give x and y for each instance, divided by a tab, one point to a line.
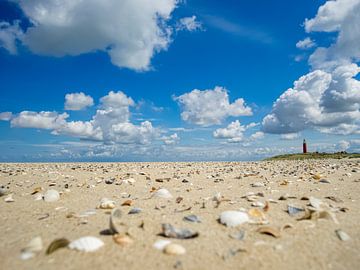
86	244
51	195
163	193
233	218
174	249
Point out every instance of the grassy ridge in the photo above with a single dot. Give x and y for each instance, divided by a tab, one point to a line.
315	155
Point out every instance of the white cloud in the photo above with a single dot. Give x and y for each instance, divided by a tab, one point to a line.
210	107
9	34
131	32
306	43
41	120
77	101
289	136
342	16
189	24
257	135
328	102
234	131
343	145
171	140
5	116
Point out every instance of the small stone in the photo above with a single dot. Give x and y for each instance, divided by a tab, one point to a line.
51	195
174	249
343	236
135	210
109	181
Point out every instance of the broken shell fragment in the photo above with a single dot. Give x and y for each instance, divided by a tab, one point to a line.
51	195
161	244
192	218
127	203
343	236
233	218
270	230
294	210
122	240
86	244
170	231
174	249
57	244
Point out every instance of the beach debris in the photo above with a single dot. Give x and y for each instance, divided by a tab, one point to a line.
9	198
161	244
192	218
343	236
257	184
86	244
135	210
294	210
174	249
127	203
57	244
36	190
51	195
110	181
170	231
270	230
106	203
233	218
240	235
32	248
122	239
116	224
162	193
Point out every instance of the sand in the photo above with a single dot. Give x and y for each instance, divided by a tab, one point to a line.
307	244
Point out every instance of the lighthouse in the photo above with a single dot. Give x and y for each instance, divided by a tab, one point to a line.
304	147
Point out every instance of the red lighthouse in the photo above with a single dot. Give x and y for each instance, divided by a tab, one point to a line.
304	147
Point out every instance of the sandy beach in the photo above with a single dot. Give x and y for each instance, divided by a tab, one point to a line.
327	238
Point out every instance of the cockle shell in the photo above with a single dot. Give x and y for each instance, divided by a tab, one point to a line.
86	244
233	218
51	195
163	193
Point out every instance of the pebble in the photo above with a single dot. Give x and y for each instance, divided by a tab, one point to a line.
174	249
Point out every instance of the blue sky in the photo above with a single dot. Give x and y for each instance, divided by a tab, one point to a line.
190	80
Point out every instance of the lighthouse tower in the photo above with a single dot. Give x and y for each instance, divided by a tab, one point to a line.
304	147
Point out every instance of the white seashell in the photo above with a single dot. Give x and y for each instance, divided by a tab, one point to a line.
9	198
316	203
233	218
161	244
33	247
38	196
86	244
51	195
342	235
174	249
105	203
163	193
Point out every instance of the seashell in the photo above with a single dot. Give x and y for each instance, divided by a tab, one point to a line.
122	240
258	204
161	244
33	247
38	196
257	184
317	176
9	198
105	203
270	230
135	210
116	224
325	181
51	195
343	236
316	203
233	218
86	244
36	190
127	203
240	235
192	218
57	244
163	193
256	213
294	210
170	231
109	181
174	249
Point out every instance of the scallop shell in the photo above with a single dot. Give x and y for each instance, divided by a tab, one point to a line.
233	218
51	195
163	193
86	244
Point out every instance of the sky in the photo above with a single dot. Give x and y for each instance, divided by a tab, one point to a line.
169	80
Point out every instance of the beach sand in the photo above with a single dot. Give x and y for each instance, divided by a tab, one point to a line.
207	190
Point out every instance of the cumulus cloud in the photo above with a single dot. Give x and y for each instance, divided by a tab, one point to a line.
233	132
257	135
171	140
305	44
210	107
9	34
329	102
41	120
130	32
343	17
77	101
289	136
5	116
189	24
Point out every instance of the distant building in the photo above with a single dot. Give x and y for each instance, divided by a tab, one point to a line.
304	147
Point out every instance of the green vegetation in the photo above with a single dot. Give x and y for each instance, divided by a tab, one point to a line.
315	155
